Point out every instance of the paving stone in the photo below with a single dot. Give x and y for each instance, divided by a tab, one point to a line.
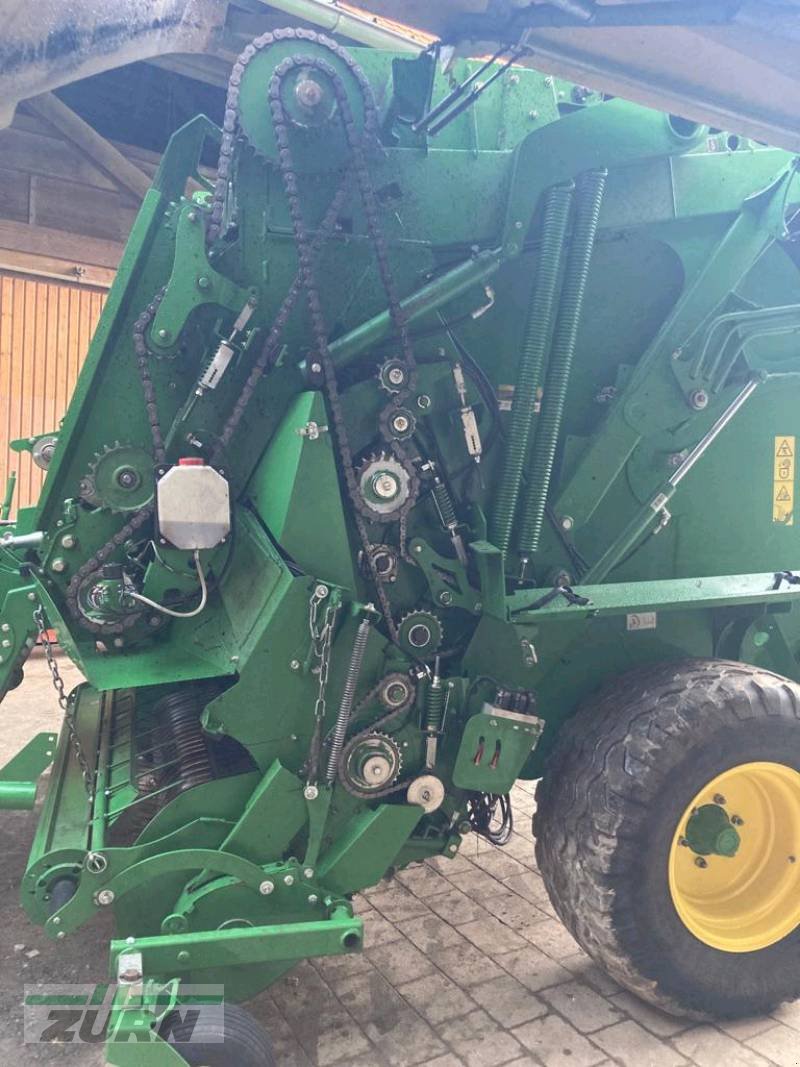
334	968
586	970
515	911
456	907
400	961
706	1046
479	1041
332	1037
788	1014
430	933
475	883
423	880
448	865
436	997
553	939
742	1029
521	848
370	998
779	1044
528	885
409	1040
555	1043
633	1046
657	1022
465	964
397	903
585	1009
497	863
491	936
377	930
533	968
302	993
448	1060
508	1001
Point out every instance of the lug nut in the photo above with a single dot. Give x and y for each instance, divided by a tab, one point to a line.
266	888
719	799
737	820
700	862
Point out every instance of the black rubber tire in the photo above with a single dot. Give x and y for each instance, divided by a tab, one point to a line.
246	1043
622	773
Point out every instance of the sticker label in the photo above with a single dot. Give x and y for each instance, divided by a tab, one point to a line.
783	481
642	620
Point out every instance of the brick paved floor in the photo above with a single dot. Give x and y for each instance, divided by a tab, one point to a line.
465	964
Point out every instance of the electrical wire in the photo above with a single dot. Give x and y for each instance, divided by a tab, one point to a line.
482	810
180	614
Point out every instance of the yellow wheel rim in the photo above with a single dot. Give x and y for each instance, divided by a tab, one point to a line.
749	898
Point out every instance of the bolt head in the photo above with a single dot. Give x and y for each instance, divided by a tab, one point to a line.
295	664
316	368
719	799
5	628
58	565
266	887
288	879
105	897
313	898
445	597
567	522
68	541
699	399
308	93
6	643
400	423
203	282
700	862
308	872
311	792
163	334
396	375
423	402
385	485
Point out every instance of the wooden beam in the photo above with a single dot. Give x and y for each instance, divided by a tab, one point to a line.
45	241
108	158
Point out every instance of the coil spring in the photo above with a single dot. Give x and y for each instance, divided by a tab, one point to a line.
589	199
346	703
445	504
537	333
434	705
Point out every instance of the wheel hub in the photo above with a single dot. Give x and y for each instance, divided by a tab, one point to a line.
733	875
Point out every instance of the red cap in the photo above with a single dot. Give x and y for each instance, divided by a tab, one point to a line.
191	461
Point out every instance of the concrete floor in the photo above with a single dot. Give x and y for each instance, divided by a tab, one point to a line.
465	964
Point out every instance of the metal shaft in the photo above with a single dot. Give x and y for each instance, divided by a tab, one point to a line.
589	198
348	696
558	201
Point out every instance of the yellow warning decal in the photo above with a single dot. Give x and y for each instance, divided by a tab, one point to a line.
783	481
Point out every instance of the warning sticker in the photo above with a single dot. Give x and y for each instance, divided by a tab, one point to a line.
783	481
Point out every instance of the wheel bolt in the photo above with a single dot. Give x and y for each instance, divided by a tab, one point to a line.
683	842
719	799
737	820
700	862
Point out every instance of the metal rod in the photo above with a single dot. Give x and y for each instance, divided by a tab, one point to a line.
656	509
30	540
454	94
5	510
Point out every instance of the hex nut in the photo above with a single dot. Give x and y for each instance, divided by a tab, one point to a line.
266	887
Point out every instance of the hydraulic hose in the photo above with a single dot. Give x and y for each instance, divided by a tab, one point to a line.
589	199
538	326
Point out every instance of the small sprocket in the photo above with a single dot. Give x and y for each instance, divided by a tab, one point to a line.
386	486
120	478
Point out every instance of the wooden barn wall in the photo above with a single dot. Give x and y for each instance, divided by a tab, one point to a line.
45	329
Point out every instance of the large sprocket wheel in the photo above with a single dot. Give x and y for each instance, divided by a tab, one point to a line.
120	478
668	835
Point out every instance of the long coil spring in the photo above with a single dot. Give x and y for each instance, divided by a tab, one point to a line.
346	703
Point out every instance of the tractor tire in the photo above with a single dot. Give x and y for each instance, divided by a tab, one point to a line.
240	1041
648	790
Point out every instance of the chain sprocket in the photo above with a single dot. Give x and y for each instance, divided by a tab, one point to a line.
120	478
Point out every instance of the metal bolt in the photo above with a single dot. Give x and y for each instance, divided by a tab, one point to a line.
445	597
384	485
105	897
288	879
313	898
396	375
567	522
518	225
5	628
514	79
423	401
131	975
321	590
400	423
316	368
308	93
308	872
6	643
417	549
699	399
683	842
56	921
700	862
31	596
192	216
203	282
548	81
719	799
452	848
68	541
119	642
58	565
163	334
533	114
311	792
295	664
266	888
737	820
184	956
61	935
